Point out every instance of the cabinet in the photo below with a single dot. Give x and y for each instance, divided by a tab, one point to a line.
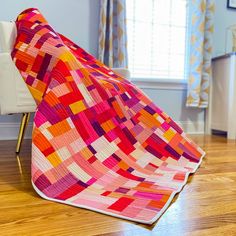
223	95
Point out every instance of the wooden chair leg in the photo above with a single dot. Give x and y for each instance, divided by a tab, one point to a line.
23	125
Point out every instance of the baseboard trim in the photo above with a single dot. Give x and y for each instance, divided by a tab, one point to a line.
9	131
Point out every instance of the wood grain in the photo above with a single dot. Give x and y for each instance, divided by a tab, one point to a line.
206	206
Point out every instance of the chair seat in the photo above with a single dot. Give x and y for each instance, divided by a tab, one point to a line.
14	94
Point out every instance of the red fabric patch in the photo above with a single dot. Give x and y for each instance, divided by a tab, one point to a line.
62	68
48	151
121	204
128	175
92	159
81	128
37	64
22	65
124	144
70	98
70	192
106	193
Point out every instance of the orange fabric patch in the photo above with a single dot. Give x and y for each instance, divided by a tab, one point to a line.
54	159
59	128
148	119
40	141
108	125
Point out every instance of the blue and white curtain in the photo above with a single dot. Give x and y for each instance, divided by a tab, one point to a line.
200	53
112	49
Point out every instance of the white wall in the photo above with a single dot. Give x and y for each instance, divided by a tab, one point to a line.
78	19
223	18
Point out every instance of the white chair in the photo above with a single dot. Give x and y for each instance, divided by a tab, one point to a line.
14	94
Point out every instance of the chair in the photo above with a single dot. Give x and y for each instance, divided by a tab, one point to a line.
14	94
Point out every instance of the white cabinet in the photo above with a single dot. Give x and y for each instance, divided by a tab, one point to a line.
223	95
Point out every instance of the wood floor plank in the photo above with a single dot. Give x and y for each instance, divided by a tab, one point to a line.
206	205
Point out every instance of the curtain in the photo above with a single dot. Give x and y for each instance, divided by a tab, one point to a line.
112	48
200	52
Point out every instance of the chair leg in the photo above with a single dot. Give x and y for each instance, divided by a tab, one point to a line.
23	125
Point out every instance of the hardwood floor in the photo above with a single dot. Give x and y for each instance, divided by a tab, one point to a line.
206	205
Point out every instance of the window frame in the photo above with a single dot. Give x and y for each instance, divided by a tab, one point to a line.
168	83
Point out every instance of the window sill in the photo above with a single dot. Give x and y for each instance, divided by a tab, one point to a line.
165	84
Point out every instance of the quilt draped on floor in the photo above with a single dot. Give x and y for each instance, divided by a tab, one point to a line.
98	141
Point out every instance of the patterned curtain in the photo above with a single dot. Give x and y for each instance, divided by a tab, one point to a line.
200	54
112	49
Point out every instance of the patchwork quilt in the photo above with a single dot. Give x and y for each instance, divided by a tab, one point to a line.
98	141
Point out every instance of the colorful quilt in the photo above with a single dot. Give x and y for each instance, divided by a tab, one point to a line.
98	141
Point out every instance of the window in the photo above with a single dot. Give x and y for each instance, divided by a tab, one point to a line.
157	38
